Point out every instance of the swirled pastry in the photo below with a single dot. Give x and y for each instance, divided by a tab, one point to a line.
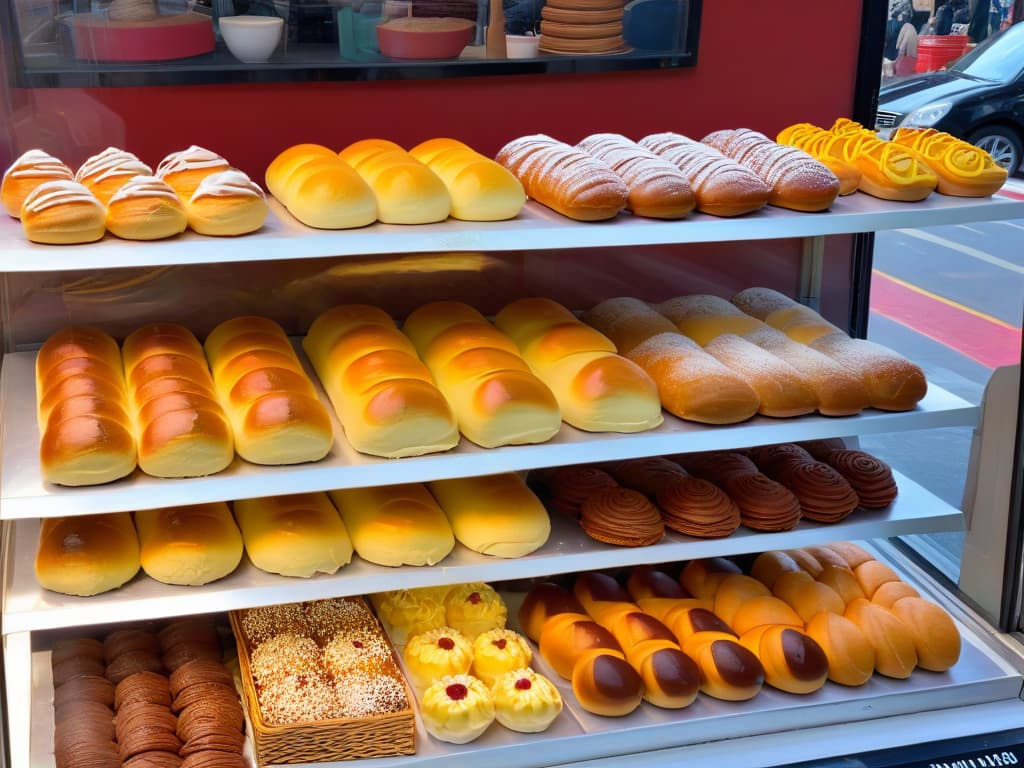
570	487
871	478
25	174
765	505
145	208
623	517
963	169
696	507
824	494
105	173
227	203
647	475
62	212
811	138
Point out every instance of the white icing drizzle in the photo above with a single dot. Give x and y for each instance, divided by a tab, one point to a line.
635	165
143	186
227	183
704	166
59	192
36	162
190	159
109	163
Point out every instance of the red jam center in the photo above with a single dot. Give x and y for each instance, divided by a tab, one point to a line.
446	643
474	598
357	644
500	643
457	691
523	684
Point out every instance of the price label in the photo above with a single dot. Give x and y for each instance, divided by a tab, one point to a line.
984	758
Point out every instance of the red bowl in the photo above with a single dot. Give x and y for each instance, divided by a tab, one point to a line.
424	38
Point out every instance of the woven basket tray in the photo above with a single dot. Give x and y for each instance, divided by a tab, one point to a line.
322	740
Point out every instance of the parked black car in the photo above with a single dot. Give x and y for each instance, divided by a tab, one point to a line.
980	98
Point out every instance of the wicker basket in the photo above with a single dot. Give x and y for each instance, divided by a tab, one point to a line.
322	740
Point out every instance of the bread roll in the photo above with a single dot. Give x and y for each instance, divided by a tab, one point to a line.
781	389
384	396
806	596
872	574
810	138
888	170
935	635
721	186
605	684
661	607
685	620
796	180
105	173
33	168
671	678
891	639
703	577
541	603
190	545
480	189
622	517
734	591
395	524
565	638
888	593
299	535
180	428
565	179
851	656
769	566
704	317
226	204
627	322
185	169
793	662
636	628
274	410
145	208
763	610
62	212
407	191
87	554
647	582
893	382
319	189
728	671
842	581
86	435
962	169
497	400
494	514
657	188
597	390
599	594
852	553
799	322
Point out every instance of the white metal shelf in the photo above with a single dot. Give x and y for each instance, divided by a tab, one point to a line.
24	494
27	607
536	228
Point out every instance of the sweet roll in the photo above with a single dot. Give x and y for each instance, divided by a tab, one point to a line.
435	654
704	317
525	701
569	487
962	169
145	208
185	169
891	639
648	474
319	189
842	581
87	554
189	545
702	578
566	637
893	382
647	582
407	191
105	173
605	684
622	517
793	661
799	322
728	670
409	612
852	553
888	593
31	169
226	204
851	656
807	596
769	566
601	596
62	212
542	602
871	478
764	504
474	608
936	638
824	494
497	652
696	507
685	620
872	574
810	139
457	709
627	322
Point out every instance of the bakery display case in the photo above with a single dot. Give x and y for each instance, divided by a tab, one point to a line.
292	273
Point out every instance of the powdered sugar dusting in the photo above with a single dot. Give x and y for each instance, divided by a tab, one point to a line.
761	302
758	365
697	306
709	171
778	165
109	163
634	164
627	321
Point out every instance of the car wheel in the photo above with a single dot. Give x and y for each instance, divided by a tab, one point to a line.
1002	143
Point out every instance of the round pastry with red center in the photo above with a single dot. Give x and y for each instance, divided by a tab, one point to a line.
497	652
435	654
475	608
525	701
457	709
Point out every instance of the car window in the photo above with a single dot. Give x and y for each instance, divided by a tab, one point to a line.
1000	58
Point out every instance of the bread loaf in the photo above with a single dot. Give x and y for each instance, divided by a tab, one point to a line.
811	139
597	390
781	389
87	554
190	545
395	524
185	169
793	662
105	173
728	670
407	191
62	212
798	321
384	395
180	427
566	637
497	400
671	678
936	638
480	189
145	208
565	179
962	169
657	188
891	639
86	435
226	204
605	684
851	657
299	535
541	603
721	186
319	189
273	408
796	180
703	317
627	322
25	174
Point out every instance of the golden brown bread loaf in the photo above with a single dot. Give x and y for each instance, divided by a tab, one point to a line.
799	322
105	173
480	189
86	432
87	554
761	611
729	671
185	169
273	408
891	639
319	189
628	322
796	180
851	656
190	545
704	317
602	596
384	395
180	427
564	179
497	400
407	191
565	637
657	188
962	168
671	678
781	389
721	186
541	603
935	635
145	208
25	174
702	578
647	582
597	390
811	139
806	596
793	661
62	212
605	684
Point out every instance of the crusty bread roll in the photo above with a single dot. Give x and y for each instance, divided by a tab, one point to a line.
565	179
769	566
226	204
782	391
842	581
274	410
87	554
891	638
86	434
793	661
721	186
872	574
494	514
796	180
704	317
105	173
605	684
190	545
893	382
851	656
480	189
384	395
657	188
319	189
935	635
497	400
888	593
395	524
25	174
407	191
180	427
597	390
145	208
62	212
962	169
799	322
185	169
299	535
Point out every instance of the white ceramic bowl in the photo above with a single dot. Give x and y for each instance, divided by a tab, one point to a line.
522	46
251	39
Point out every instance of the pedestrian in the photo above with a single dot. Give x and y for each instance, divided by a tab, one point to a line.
961	12
906	48
944	18
892	33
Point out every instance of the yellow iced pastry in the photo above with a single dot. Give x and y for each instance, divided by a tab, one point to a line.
407	612
474	608
525	701
457	709
435	654
497	652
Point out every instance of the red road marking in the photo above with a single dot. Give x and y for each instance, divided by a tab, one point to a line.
1011	193
987	342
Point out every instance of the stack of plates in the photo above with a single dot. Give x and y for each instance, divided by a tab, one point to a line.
582	27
